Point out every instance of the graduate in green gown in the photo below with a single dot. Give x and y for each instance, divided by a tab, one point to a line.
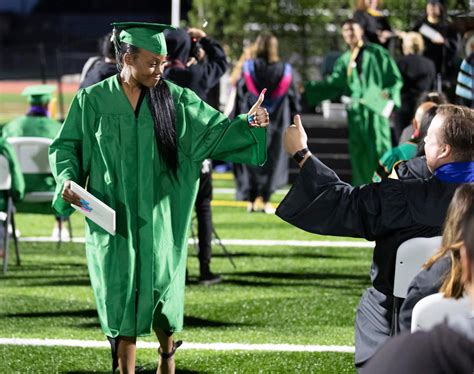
137	142
371	78
35	123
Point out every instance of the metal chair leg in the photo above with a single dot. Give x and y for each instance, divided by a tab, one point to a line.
395	328
15	238
6	247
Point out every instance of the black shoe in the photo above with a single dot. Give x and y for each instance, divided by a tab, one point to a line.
210	278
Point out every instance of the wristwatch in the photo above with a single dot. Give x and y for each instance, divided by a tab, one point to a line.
299	156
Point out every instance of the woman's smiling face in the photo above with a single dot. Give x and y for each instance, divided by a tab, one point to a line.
147	67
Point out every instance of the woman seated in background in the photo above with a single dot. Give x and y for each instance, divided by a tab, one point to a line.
418	73
442	272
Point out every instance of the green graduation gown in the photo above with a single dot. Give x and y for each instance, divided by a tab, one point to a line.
18	183
369	131
403	152
138	275
37	126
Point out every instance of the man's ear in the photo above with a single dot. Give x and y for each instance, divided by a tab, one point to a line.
446	151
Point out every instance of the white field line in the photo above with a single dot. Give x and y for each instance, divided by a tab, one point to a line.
197	346
244	242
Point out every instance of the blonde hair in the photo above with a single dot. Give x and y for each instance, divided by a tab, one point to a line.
413	43
266	47
451	242
451	110
247	54
362	4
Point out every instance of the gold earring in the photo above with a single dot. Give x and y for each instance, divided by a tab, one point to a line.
126	73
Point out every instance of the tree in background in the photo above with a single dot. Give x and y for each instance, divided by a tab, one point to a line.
306	28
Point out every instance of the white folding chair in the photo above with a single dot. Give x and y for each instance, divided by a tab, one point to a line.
32	154
411	255
8	216
433	310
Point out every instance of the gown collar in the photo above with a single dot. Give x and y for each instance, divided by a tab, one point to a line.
456	172
37	111
137	110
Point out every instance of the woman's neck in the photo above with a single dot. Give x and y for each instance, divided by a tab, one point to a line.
129	83
432	19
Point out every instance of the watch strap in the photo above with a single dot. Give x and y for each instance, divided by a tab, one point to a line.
299	156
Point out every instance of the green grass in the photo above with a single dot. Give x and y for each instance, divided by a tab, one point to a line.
76	360
277	295
230	223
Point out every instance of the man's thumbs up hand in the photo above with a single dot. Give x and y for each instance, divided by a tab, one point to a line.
295	138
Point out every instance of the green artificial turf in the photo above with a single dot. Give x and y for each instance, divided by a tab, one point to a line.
230	222
87	360
276	295
279	295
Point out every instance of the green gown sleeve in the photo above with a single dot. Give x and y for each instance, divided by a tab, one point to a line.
18	182
70	152
9	129
330	87
214	136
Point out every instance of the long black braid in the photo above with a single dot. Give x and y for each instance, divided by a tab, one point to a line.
162	109
164	117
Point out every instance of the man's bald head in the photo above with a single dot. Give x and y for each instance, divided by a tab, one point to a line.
420	112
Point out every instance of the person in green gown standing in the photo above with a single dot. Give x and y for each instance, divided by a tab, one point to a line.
137	142
370	77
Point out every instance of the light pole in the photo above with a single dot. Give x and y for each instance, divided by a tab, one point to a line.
175	12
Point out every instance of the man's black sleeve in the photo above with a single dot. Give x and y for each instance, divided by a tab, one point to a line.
319	202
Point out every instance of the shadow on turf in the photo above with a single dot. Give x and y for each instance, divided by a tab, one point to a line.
189	321
84	313
61	283
53	266
251	279
284	255
145	371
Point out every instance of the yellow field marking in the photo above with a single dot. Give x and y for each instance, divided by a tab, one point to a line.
223	176
229	203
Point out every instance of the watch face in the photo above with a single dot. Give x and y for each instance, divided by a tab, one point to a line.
299	156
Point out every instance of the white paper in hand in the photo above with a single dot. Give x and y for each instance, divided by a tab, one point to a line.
388	109
95	209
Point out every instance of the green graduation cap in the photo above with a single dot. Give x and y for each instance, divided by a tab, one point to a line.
39	94
144	35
